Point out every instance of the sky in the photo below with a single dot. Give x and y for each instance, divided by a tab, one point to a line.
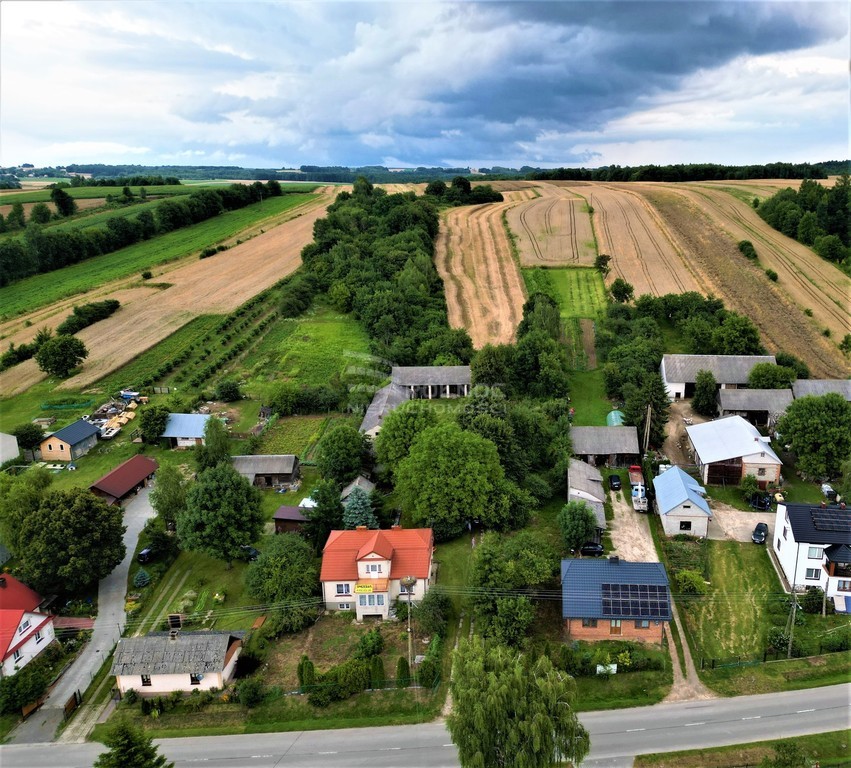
406	84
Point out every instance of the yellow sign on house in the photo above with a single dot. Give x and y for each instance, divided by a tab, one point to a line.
361	589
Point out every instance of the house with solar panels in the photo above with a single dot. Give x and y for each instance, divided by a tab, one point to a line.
614	599
812	544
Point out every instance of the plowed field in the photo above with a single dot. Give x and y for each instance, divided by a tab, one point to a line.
553	230
484	289
215	285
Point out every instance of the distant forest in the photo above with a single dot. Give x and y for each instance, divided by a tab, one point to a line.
376	174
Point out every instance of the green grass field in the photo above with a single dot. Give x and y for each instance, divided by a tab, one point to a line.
588	398
41	290
293	434
579	291
93	193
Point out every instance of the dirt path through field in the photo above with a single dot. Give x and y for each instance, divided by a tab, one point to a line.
484	289
215	285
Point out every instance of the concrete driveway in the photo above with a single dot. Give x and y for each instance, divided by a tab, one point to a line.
731	524
109	624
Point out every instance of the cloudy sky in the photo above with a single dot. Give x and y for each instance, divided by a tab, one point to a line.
283	84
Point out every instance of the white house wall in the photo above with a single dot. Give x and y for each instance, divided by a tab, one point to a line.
671	522
786	549
167	683
31	647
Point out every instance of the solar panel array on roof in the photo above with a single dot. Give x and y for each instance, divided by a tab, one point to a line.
635	600
831	519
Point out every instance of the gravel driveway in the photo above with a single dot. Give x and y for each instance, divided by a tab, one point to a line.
729	523
630	531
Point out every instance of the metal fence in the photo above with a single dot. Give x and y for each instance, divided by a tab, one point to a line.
768	656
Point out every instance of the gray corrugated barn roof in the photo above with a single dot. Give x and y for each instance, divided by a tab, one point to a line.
586	478
771	400
417	376
159	654
383	402
804	387
727	369
599	441
583	583
264	464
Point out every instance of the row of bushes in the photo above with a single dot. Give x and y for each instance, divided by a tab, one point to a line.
42	250
88	314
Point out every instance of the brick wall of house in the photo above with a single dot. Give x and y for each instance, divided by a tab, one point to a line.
575	631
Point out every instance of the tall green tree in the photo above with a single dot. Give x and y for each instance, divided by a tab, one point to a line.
770	376
512	710
16	218
168	497
705	394
577	524
818	429
737	335
637	397
40	213
493	365
222	514
65	204
340	453
358	511
28	435
129	745
216	447
451	476
399	430
152	423
326	516
622	292
61	355
72	540
20	496
287	575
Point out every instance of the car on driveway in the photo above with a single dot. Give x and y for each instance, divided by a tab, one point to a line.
249	553
591	549
761	501
759	533
615	482
828	492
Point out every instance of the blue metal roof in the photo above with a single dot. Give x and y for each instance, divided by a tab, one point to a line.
675	487
615	419
582	587
76	432
189	425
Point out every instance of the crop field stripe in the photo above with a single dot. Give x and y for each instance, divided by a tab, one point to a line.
40	290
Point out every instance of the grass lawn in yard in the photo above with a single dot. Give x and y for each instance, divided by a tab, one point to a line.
579	291
293	434
588	398
826	749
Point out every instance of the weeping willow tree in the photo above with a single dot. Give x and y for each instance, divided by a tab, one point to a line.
513	710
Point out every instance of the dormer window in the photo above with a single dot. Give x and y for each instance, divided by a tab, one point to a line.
373	568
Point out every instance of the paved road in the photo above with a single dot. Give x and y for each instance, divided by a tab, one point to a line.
616	736
107	629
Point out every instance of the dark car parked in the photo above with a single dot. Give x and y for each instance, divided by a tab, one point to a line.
759	533
591	549
614	482
146	555
761	501
249	553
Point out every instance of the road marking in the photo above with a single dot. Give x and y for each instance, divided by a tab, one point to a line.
634	730
390	749
448	745
328	753
801	711
688	725
755	717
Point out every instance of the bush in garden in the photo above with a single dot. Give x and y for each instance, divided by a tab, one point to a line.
403	673
370	644
141	579
250	692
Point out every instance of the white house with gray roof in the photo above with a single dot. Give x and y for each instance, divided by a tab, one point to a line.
679	372
725	450
433	381
681	504
162	662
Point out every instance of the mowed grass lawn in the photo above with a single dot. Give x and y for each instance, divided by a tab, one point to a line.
579	291
40	290
293	434
588	398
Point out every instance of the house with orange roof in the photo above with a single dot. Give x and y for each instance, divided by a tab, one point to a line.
25	631
362	570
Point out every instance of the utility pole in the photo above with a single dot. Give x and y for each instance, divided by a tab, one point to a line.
408	583
794	604
647	426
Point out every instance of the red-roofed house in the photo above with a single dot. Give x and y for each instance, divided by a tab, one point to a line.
126	478
24	630
362	569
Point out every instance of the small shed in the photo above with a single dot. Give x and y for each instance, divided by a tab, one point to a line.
185	430
268	470
761	407
681	504
288	519
613	446
125	479
70	442
361	482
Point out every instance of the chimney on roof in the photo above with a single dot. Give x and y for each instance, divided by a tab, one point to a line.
841	506
823	504
395	527
361	528
614	559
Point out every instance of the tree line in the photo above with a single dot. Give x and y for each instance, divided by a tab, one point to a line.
682	172
817	216
41	250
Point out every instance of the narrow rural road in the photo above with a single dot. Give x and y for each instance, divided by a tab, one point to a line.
109	624
617	736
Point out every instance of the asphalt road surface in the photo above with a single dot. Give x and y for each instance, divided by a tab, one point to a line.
616	736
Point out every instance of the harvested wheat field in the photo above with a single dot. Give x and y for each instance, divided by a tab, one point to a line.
215	285
484	289
395	189
642	252
706	236
553	230
82	205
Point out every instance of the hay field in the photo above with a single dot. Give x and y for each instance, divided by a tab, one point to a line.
211	286
708	229
82	205
642	251
553	229
484	289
